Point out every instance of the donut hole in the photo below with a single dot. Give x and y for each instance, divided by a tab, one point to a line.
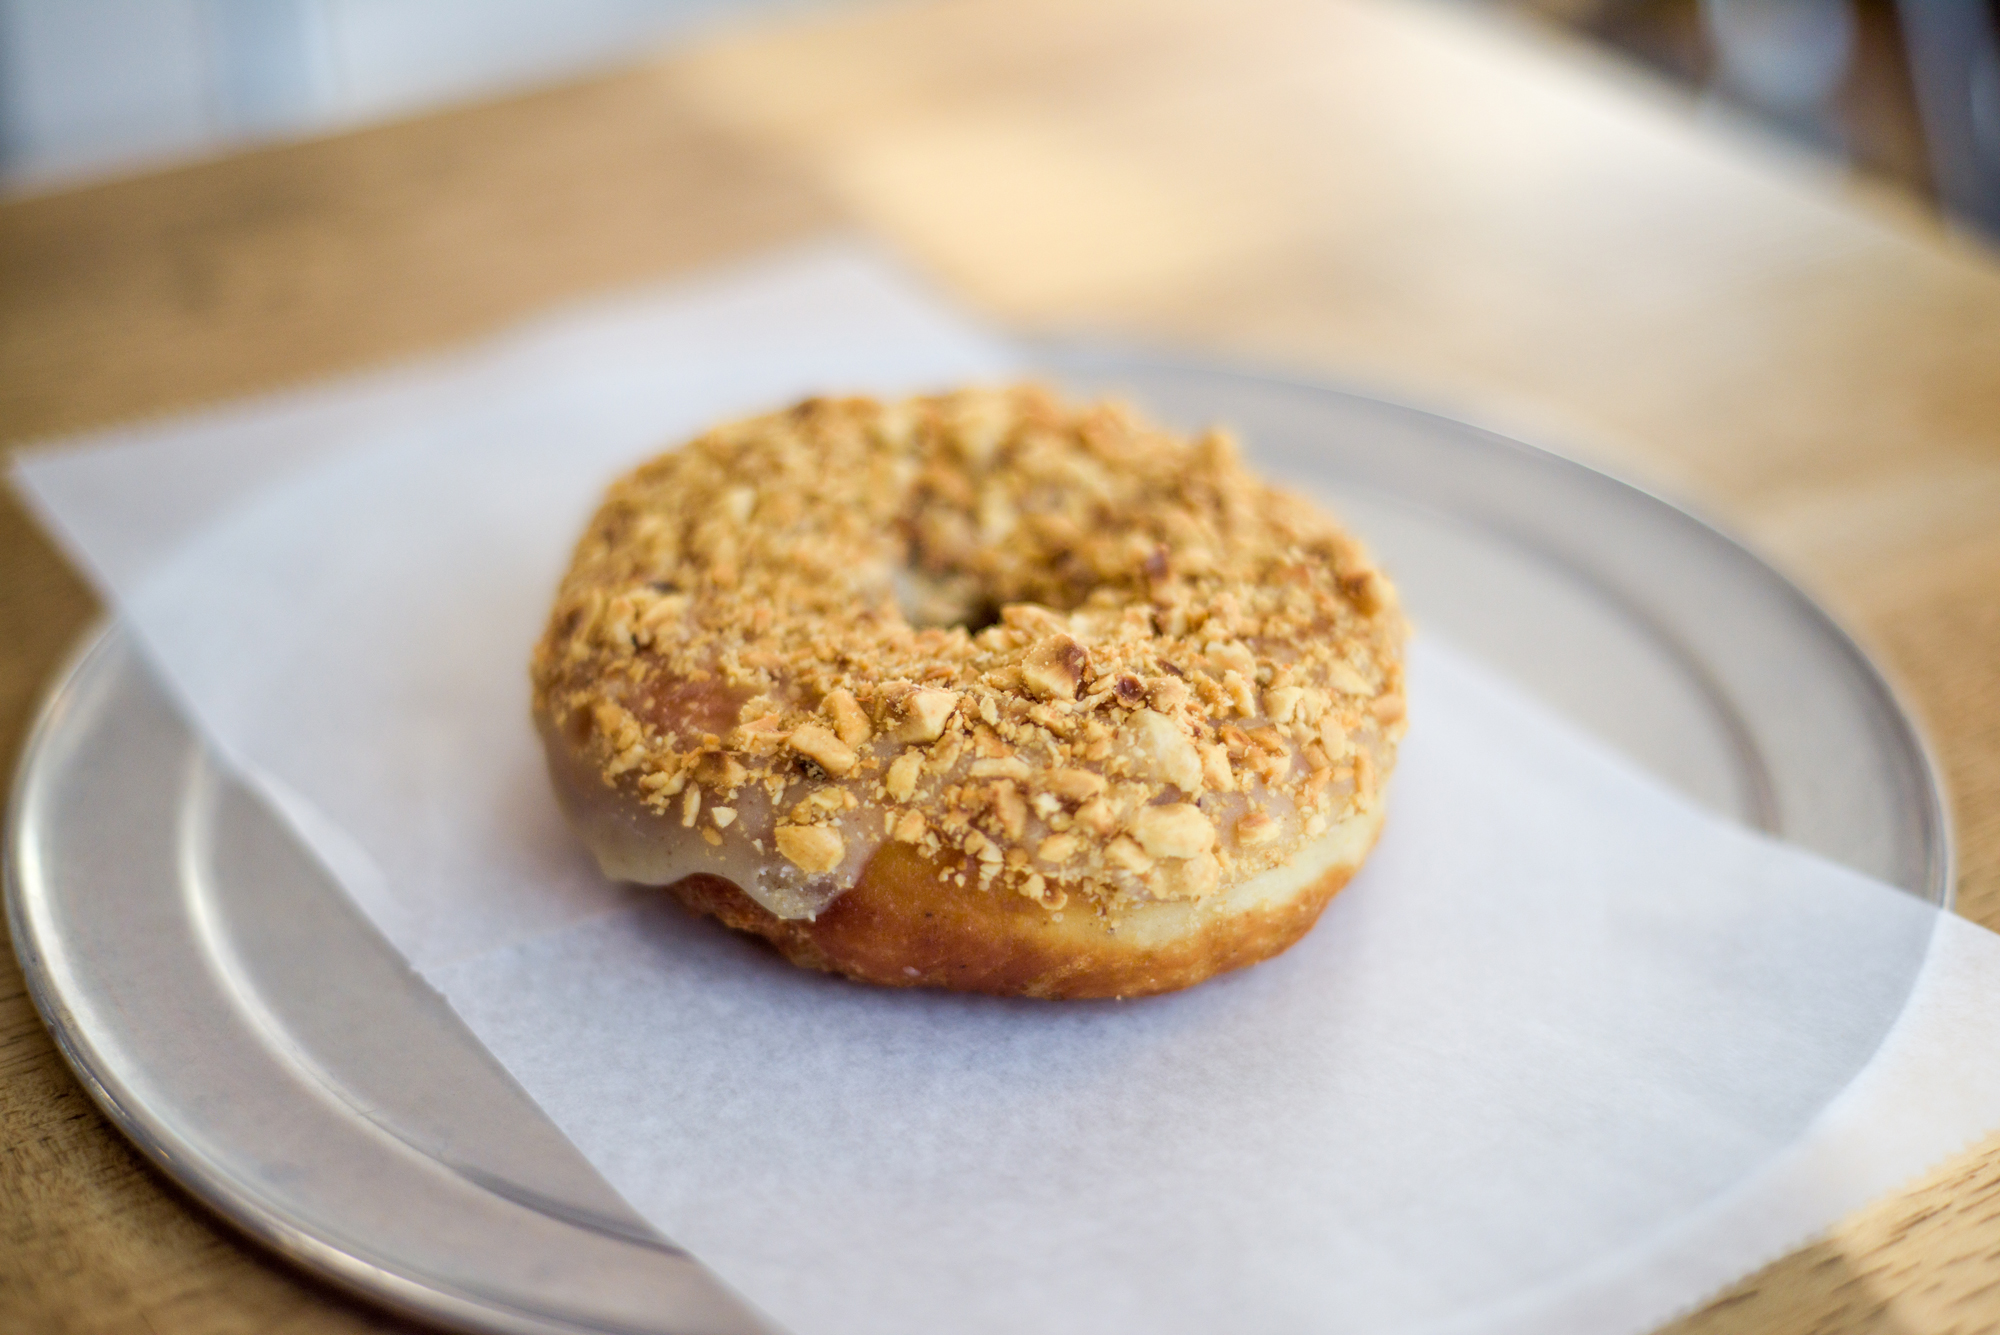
929	600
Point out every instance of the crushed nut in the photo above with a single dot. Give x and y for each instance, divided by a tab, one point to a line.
1059	848
1185	878
1074	785
1281	701
1054	668
1037	888
1162	751
759	736
1256	829
924	715
811	848
1009	809
820	746
1099	817
1215	772
1364	780
1126	855
720	771
849	722
1176	830
1238	690
901	780
1346	680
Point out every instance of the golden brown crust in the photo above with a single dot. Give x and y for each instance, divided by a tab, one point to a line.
1073	667
902	926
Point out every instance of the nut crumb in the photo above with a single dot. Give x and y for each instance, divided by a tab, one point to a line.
824	749
924	716
1177	830
849	722
811	848
1059	848
1256	828
901	781
1126	855
1054	668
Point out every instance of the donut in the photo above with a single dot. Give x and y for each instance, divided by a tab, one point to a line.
980	691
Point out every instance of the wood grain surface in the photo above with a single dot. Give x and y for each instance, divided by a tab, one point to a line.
1410	198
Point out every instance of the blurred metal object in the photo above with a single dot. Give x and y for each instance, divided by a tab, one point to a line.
1955	65
1786	59
1784	56
273	68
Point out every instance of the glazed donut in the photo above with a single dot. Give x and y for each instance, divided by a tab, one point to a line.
976	691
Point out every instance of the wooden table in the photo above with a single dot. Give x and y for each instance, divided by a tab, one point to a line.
1408	197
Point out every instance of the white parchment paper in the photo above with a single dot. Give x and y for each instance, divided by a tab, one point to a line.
1568	1055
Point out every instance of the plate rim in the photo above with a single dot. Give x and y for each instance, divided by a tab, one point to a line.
198	1175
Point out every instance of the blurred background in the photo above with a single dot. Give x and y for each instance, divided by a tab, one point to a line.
1908	90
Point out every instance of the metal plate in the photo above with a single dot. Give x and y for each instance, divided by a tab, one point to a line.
239	1019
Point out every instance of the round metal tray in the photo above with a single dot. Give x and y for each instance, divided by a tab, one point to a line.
241	1021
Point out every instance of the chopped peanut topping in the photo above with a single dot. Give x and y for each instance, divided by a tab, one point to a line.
1059	848
1074	785
720	772
924	716
1281	701
1082	656
811	848
1162	751
1054	668
823	748
1123	853
1010	810
1174	831
1098	817
1256	828
848	721
902	777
